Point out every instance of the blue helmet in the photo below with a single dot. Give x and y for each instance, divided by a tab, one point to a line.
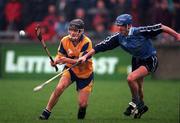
123	19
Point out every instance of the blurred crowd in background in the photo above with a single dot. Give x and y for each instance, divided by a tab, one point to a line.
98	15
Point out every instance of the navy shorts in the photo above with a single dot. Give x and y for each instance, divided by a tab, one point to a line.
81	83
151	63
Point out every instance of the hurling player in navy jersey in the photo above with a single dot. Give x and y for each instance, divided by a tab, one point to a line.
137	42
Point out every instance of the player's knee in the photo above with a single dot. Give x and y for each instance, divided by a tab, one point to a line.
83	103
130	78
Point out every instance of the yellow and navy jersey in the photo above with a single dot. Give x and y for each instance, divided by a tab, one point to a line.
67	49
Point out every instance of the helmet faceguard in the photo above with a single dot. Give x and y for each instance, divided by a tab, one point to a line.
76	29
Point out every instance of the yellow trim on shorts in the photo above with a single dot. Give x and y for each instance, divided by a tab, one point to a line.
89	87
67	74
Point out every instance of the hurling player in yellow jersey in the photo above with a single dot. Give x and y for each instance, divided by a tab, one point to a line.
70	49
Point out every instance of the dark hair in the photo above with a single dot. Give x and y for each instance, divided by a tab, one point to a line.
76	24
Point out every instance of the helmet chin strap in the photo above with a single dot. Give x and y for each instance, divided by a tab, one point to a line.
73	38
128	28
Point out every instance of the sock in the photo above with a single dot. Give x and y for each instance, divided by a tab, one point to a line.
81	112
45	114
136	99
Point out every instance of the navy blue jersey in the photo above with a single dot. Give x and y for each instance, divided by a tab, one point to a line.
137	43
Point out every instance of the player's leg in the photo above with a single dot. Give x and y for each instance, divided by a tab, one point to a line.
83	96
151	64
83	102
132	79
142	107
140	82
141	68
62	85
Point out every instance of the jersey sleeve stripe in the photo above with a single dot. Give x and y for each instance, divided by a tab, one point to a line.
62	50
155	27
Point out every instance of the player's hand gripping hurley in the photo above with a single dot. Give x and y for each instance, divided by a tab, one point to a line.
39	87
39	36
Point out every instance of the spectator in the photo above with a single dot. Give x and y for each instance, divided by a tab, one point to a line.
61	26
177	15
30	32
51	17
122	6
110	4
100	14
36	10
48	24
161	13
47	32
61	6
98	19
70	9
100	32
13	14
80	13
143	12
134	12
164	38
2	14
101	7
57	13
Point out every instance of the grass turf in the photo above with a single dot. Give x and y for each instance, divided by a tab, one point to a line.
19	104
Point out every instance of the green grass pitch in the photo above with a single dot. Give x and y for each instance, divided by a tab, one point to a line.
19	104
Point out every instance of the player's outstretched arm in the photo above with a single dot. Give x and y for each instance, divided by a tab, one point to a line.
172	32
65	60
86	56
